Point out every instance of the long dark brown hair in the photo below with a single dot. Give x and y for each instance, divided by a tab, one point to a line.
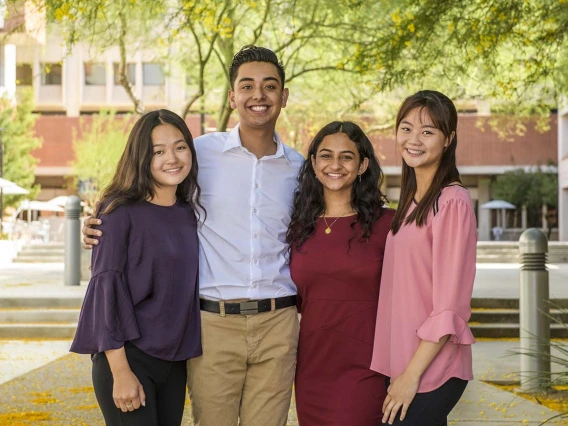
366	197
445	118
133	179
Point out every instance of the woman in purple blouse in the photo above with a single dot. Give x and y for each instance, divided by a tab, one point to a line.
140	318
422	338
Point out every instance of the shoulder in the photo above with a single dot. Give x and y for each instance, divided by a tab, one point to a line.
454	194
384	221
295	158
210	141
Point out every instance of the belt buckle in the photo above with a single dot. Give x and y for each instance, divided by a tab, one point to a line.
249	308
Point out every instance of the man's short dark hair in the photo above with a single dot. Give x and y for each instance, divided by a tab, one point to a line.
252	53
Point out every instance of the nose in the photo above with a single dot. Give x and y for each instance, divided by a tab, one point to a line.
171	156
258	93
335	164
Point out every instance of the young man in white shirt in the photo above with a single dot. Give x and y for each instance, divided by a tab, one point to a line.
249	319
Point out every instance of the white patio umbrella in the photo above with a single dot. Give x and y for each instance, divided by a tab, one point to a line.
10	188
499	205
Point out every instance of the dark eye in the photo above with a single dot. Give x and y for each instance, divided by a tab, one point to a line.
182	147
158	152
404	129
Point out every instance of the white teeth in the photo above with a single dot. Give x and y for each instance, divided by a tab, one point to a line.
414	151
259	108
335	175
172	170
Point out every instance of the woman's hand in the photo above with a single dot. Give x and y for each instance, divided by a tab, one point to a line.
127	392
400	394
90	234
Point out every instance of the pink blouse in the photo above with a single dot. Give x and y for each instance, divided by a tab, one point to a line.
426	288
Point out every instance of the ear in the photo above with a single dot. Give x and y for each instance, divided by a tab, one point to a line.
313	158
364	165
285	94
232	99
449	140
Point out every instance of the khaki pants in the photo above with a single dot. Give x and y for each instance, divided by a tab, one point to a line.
247	369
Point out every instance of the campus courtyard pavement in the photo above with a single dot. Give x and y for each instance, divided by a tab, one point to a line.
42	384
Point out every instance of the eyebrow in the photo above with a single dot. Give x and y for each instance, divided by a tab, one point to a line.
347	151
163	144
264	79
429	126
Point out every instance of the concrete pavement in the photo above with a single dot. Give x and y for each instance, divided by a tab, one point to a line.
40	383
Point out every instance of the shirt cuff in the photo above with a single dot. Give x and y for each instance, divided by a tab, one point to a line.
446	323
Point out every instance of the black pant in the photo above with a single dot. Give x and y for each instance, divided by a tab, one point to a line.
432	408
164	384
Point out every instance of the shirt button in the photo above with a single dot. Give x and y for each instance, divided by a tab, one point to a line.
255	261
254	210
255	236
256	185
255	285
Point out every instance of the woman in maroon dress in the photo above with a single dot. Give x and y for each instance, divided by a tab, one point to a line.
337	239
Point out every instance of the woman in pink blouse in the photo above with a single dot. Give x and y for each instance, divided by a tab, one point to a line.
422	339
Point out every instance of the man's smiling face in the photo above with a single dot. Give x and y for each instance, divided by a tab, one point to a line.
258	95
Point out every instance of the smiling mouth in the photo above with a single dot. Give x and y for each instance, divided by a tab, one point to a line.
259	108
334	175
414	151
177	169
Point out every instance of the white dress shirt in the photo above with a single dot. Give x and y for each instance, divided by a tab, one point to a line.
243	250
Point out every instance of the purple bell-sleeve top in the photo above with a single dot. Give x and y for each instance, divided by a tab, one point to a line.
144	285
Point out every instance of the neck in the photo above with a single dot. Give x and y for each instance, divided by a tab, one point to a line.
424	179
337	203
164	196
258	141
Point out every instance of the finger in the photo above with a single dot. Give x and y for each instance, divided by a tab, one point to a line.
142	395
387	411
117	403
129	405
123	407
393	413
135	403
91	221
403	411
93	232
87	246
387	400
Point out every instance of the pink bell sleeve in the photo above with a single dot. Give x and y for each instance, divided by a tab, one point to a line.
454	237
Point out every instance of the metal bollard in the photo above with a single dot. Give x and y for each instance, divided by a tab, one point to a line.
534	310
72	270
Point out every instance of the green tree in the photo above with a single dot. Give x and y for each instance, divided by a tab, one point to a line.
532	189
98	146
18	135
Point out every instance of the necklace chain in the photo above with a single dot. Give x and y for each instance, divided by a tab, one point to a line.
328	227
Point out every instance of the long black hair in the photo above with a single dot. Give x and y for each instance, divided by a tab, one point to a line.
444	116
133	179
366	197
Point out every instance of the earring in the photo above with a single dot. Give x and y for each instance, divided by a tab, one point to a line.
360	177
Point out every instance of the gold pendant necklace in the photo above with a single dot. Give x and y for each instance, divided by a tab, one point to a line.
328	227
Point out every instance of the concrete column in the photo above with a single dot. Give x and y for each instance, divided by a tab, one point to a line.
72	83
483	215
524	221
563	172
544	213
10	70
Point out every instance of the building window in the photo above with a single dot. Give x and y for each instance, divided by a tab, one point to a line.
95	74
130	73
153	74
51	74
24	74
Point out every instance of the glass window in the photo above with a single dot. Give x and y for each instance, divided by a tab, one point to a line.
130	73
24	75
95	74
153	74
51	74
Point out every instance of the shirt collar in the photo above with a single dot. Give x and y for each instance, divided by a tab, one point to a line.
234	141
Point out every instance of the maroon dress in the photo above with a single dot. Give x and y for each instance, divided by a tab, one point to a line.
338	290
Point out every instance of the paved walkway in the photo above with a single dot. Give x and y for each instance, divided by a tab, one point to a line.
41	384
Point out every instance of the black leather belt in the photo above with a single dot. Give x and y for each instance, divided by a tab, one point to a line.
248	308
